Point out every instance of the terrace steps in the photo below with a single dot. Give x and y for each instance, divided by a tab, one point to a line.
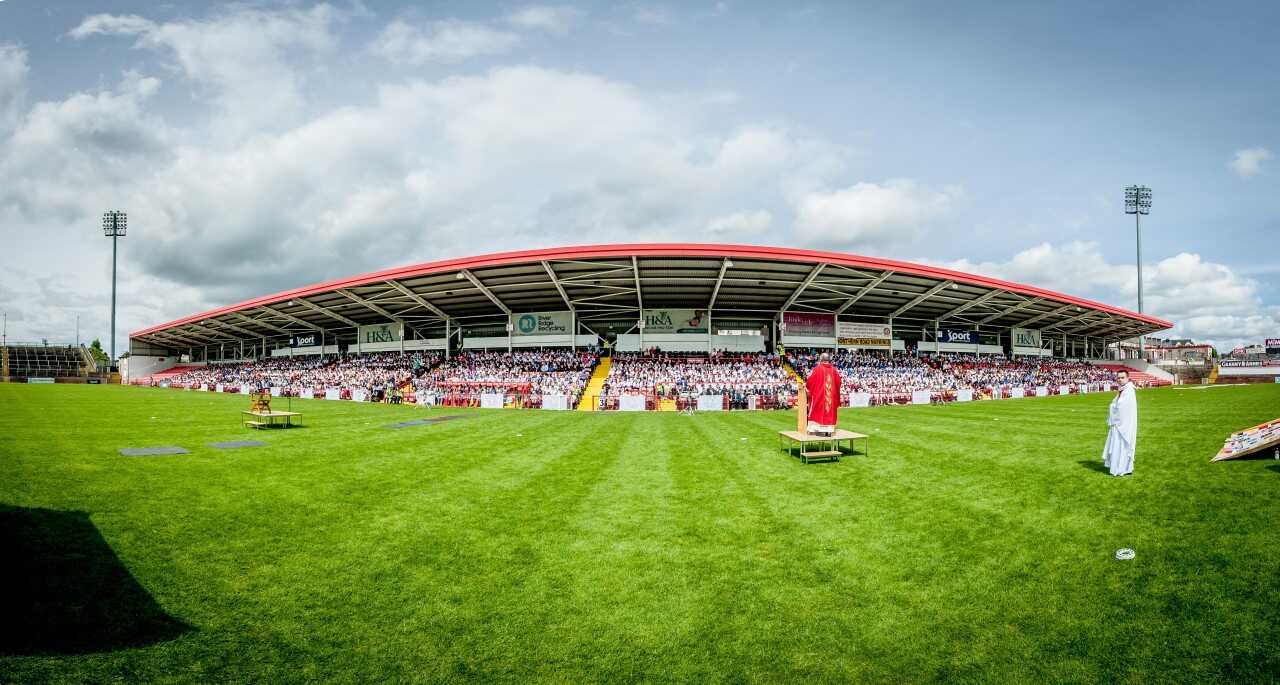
791	371
595	386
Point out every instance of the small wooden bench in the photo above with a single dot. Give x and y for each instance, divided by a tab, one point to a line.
833	451
267	419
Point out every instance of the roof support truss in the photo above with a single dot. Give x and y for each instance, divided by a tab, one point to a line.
326	311
969	305
635	270
865	289
366	303
795	295
259	322
1040	317
551	273
724	266
1015	308
294	319
418	298
921	298
466	273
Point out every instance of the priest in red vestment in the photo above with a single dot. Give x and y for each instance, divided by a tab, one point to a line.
823	388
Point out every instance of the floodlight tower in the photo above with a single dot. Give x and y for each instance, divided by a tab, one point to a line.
1137	201
114	224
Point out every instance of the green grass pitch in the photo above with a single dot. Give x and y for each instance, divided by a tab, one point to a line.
975	544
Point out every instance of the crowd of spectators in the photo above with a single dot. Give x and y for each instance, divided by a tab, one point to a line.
668	376
529	374
379	374
883	374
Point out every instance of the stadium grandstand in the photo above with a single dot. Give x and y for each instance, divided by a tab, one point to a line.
649	326
43	362
1250	364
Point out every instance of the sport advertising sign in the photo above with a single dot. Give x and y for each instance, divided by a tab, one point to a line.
1273	345
675	321
541	323
305	340
382	333
1026	337
952	335
809	325
862	334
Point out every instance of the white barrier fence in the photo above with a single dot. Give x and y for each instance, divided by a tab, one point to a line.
556	402
710	403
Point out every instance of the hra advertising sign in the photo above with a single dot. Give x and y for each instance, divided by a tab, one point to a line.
541	323
853	334
809	325
952	335
382	333
675	321
1026	337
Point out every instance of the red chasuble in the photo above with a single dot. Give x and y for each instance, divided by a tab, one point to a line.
824	394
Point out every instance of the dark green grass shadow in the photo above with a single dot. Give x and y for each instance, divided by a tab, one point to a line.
68	592
1095	465
1274	467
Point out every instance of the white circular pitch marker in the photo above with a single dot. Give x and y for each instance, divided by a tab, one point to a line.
1124	554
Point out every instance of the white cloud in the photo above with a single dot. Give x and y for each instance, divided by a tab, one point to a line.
425	170
870	213
555	19
1206	301
13	83
740	224
654	15
1248	163
246	58
68	155
442	41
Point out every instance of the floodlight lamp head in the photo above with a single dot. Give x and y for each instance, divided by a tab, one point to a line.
1137	200
114	223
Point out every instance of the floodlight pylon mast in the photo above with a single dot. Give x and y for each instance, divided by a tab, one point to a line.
1137	201
114	226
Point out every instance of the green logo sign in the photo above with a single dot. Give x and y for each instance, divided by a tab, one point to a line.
528	323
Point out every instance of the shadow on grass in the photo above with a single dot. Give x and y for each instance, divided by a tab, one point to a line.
67	591
1274	467
1095	465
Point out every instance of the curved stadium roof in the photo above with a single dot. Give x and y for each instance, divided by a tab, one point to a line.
611	282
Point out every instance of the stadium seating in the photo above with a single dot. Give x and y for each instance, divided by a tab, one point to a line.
660	380
163	376
894	379
743	380
1141	379
379	375
39	361
523	378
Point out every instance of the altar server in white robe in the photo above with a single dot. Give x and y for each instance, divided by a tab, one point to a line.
1122	433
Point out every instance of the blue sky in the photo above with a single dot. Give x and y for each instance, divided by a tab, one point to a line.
259	146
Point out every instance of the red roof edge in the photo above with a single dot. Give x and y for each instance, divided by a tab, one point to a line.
658	250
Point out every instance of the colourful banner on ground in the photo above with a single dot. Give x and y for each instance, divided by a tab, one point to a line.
675	321
541	323
854	334
807	325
